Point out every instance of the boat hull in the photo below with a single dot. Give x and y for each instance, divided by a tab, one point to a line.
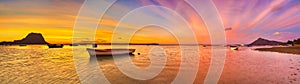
109	52
234	47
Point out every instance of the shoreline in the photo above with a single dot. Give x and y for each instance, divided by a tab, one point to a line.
288	50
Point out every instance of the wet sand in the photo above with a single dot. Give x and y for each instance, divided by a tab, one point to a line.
289	50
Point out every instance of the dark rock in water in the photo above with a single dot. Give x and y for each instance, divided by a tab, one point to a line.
261	41
32	38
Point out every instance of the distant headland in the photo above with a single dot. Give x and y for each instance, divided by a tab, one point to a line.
294	47
262	41
31	38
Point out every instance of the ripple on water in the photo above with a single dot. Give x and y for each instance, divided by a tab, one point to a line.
40	65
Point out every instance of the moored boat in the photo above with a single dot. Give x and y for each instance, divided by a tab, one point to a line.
234	47
22	45
109	52
55	45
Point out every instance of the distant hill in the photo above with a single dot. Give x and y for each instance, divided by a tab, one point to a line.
31	38
261	41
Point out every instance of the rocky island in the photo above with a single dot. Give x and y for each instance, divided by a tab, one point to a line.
262	41
31	38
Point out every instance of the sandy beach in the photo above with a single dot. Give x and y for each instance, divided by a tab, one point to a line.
289	50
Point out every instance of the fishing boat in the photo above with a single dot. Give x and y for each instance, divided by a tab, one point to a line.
55	45
22	45
109	52
234	47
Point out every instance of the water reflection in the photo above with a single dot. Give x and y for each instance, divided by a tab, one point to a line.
36	64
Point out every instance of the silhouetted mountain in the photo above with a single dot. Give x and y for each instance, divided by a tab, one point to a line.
261	41
31	38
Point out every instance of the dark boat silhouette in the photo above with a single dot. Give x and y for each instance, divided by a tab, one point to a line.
22	45
109	52
55	45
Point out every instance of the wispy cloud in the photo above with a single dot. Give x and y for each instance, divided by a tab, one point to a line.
248	19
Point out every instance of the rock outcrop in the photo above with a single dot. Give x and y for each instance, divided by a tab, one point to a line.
261	41
31	38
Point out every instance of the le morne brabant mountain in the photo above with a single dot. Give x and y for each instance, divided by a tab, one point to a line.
31	38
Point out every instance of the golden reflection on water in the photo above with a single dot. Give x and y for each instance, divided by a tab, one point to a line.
40	64
36	64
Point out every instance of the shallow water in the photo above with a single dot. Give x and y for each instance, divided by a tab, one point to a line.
38	64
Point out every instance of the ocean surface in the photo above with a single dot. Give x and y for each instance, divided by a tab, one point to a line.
39	64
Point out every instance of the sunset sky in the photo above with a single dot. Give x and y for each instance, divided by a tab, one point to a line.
249	20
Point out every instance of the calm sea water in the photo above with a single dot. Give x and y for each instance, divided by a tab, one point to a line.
38	64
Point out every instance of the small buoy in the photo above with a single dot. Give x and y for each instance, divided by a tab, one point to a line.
139	53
